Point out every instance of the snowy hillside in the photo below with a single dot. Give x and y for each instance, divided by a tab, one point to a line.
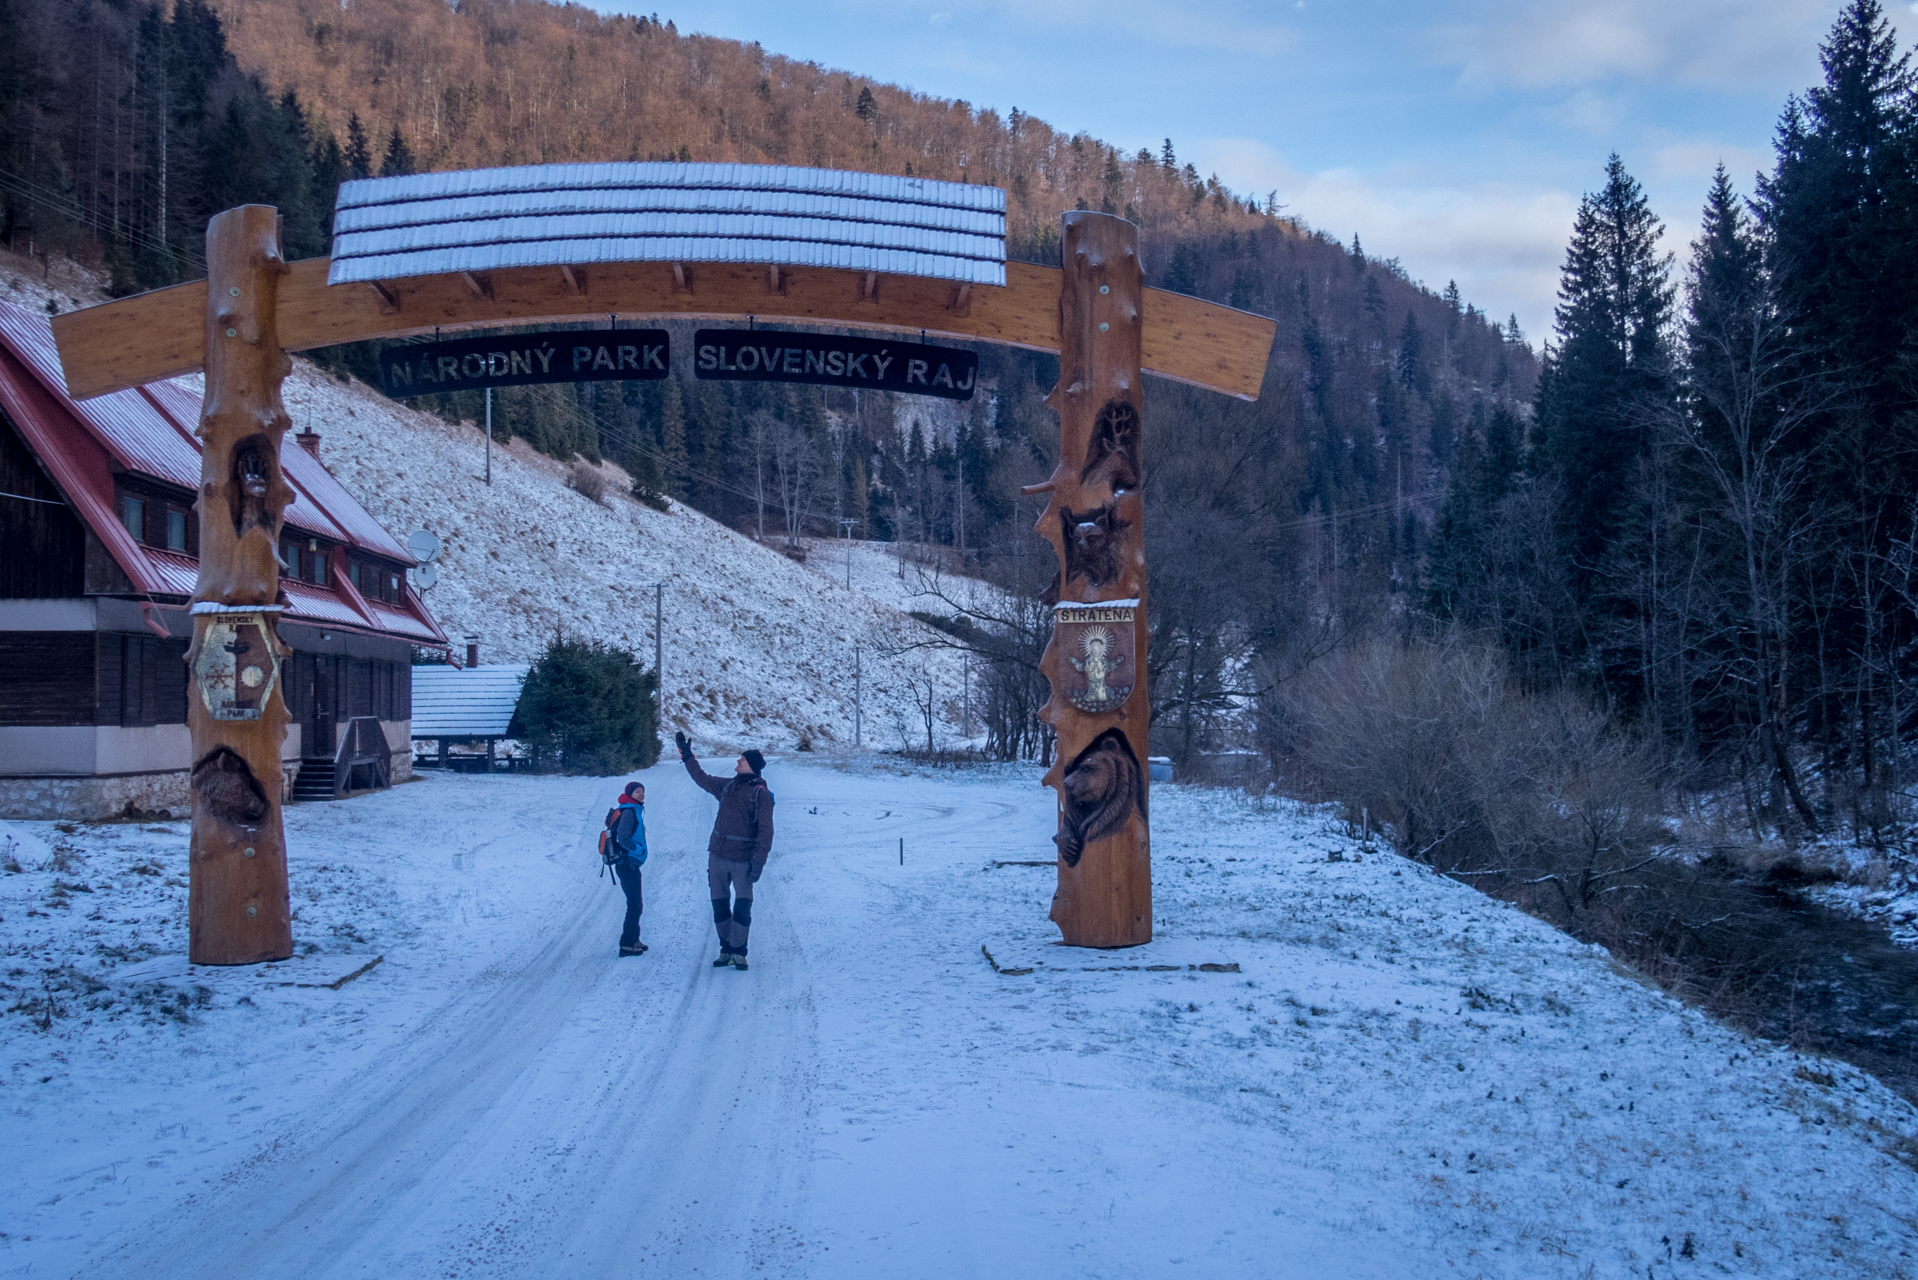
758	650
1321	1068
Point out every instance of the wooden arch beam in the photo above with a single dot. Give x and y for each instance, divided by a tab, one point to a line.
162	334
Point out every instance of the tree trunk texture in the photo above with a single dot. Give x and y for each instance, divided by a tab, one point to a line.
1096	660
238	910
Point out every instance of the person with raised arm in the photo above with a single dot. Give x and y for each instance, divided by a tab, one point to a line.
741	840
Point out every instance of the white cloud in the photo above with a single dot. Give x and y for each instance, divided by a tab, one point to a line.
1722	44
1694	161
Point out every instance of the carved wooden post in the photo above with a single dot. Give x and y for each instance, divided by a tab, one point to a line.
238	911
1096	661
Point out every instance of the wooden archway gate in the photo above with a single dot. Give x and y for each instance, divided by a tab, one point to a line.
254	307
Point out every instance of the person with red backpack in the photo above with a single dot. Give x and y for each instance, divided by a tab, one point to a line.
623	848
736	854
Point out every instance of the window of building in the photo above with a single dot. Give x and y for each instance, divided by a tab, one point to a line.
175	529
133	514
376	581
306	558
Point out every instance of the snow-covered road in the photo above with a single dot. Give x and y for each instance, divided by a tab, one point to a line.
1401	1078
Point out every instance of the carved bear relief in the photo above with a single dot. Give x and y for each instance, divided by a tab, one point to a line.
1102	790
228	789
1095	543
1113	455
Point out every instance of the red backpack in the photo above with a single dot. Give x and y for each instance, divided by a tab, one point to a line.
608	851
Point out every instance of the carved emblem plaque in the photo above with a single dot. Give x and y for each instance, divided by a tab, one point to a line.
237	666
1099	644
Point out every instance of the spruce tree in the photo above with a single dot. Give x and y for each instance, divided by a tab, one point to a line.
1374	309
398	160
1411	359
329	171
359	155
1182	272
1611	375
1839	212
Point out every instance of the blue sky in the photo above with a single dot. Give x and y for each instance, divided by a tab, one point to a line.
1455	136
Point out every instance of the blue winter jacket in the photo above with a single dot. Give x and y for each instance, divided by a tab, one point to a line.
629	833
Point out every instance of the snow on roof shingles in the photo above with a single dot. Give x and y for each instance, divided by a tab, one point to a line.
577	214
476	702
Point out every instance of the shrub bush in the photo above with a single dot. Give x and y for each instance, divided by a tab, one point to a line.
1471	774
589	481
589	708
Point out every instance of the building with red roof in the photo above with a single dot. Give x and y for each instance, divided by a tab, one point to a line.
98	542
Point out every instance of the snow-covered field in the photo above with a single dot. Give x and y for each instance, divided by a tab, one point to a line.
1399	1078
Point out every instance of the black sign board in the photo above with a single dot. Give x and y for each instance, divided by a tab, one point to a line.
757	355
515	360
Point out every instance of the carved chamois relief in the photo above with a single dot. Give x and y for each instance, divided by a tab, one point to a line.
1101	791
1113	456
249	484
1095	543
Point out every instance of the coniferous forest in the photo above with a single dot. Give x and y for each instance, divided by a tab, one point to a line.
1677	540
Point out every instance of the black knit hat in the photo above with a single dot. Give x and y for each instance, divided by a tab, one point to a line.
754	759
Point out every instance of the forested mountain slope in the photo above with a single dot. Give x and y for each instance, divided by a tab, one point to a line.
125	124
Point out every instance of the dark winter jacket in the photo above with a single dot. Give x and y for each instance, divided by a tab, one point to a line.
743	831
629	833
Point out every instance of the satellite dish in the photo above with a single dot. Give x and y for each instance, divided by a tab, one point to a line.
423	545
426	575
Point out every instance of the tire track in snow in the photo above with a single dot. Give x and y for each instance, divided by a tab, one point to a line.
566	1109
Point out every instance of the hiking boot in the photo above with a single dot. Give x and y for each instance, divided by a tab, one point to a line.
739	962
725	959
637	949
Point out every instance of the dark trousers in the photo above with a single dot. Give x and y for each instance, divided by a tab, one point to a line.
628	872
731	884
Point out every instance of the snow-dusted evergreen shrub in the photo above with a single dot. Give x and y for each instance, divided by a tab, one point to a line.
589	708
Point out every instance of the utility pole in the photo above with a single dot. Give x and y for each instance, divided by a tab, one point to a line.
966	705
659	675
847	523
489	435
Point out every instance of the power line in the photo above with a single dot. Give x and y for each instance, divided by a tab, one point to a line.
68	207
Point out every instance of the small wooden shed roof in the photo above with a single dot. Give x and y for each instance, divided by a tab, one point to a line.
470	702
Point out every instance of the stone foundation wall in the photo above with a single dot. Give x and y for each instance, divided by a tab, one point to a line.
90	799
139	795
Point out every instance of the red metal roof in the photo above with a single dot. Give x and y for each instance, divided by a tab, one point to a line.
148	431
174	570
317	604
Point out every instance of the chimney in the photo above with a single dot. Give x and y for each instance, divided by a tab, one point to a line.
472	651
311	439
